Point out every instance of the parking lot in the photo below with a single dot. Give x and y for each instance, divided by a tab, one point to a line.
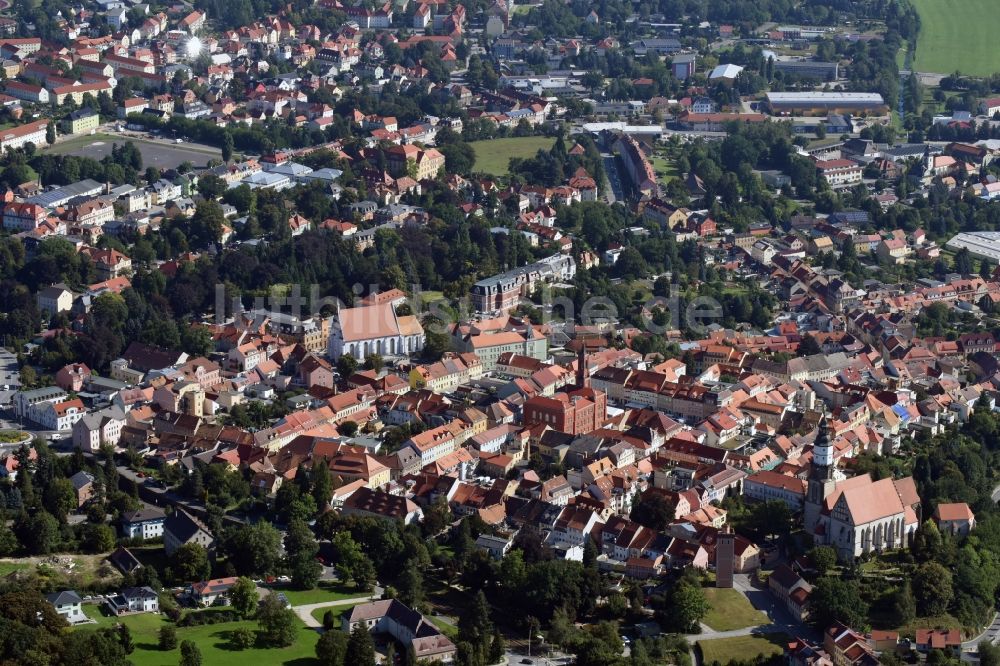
10	379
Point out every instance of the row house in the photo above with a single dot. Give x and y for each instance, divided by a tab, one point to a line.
448	373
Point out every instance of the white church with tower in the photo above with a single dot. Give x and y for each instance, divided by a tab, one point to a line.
857	515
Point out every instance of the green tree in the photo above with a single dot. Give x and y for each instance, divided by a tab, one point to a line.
835	600
301	546
374	362
904	606
125	639
206	224
168	637
59	498
927	542
227	146
190	654
253	550
689	606
190	563
360	647
39	533
497	647
411	585
352	563
989	654
823	559
331	648
243	597
808	346
653	510
347	365
475	625
50	133
322	485
98	538
277	623
932	589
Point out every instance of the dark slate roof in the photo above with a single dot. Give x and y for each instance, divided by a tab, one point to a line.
63	598
143	515
183	525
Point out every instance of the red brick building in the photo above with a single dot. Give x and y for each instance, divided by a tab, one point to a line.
577	412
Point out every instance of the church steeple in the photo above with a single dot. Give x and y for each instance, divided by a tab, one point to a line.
821	482
823	451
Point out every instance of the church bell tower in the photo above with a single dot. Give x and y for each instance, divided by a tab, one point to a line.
821	482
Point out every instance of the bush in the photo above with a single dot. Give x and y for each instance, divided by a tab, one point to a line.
168	637
200	618
243	638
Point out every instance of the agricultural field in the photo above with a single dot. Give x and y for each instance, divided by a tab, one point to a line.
493	156
957	35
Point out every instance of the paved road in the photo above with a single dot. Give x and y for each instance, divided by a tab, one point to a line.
615	193
990	633
305	611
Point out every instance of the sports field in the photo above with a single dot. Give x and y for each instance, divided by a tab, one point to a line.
160	154
493	156
958	35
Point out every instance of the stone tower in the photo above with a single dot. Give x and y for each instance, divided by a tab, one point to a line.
725	558
821	482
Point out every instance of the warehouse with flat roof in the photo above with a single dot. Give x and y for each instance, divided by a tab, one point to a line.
980	244
825	102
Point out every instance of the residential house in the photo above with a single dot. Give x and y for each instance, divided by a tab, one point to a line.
69	605
145	523
83	486
181	528
212	592
134	600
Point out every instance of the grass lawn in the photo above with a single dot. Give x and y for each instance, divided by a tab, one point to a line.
664	168
77	142
337	612
743	648
731	610
326	591
430	296
446	628
8	567
213	639
957	35
493	156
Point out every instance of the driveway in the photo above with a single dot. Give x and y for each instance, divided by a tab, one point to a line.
305	611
